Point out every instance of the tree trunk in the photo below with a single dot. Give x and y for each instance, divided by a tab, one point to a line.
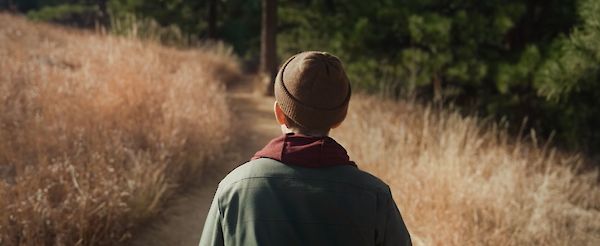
268	53
212	19
11	6
104	18
438	95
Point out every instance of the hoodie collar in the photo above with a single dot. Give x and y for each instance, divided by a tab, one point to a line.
306	151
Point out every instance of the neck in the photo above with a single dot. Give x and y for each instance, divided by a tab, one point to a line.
286	130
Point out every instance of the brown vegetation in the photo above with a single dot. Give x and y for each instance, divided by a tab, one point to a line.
459	182
97	131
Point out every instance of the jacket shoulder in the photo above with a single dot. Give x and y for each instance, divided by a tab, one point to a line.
269	168
374	181
250	169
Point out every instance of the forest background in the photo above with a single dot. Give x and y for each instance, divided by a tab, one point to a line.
532	64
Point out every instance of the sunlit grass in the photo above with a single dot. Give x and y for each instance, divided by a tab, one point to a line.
459	182
97	131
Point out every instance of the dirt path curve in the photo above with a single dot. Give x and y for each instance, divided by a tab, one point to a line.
182	221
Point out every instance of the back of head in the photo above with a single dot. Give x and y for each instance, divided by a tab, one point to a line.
312	90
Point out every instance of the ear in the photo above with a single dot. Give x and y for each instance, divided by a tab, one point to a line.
279	115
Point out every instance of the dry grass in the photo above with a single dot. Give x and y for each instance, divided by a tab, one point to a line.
458	182
96	131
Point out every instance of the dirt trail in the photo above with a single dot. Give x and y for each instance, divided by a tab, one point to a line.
182	221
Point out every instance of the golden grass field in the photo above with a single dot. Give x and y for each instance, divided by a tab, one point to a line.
459	182
97	131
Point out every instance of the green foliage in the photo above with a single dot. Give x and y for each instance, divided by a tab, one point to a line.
503	58
237	23
576	58
459	42
148	29
56	12
570	79
187	15
77	14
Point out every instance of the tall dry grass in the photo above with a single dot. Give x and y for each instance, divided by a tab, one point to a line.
459	182
97	131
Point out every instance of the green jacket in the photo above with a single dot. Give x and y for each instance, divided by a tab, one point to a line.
265	202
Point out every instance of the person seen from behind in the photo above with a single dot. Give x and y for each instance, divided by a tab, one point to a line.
302	188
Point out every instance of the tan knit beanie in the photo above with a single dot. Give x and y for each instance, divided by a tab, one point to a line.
313	90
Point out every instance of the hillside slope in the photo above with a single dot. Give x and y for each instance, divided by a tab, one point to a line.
182	222
98	132
456	180
459	181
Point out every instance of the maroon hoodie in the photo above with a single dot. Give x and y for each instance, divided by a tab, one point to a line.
306	151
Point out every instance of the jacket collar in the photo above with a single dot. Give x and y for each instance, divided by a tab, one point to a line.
306	151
